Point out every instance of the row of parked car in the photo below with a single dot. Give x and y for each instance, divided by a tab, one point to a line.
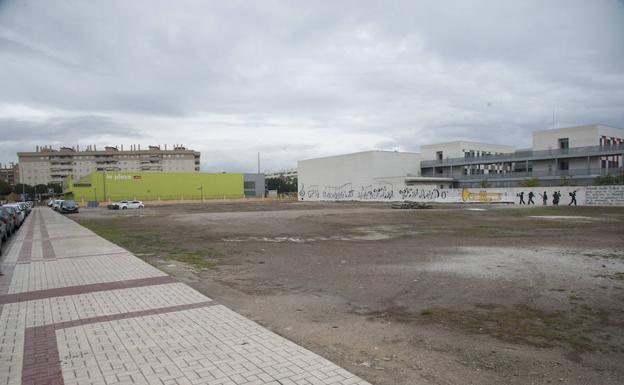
12	216
63	206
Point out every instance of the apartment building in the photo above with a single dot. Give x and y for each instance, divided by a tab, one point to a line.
282	174
48	165
9	173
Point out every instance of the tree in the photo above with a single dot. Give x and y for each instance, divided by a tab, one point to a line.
609	180
21	188
5	188
533	182
282	184
56	188
484	184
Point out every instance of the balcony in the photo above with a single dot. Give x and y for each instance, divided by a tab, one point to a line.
522	156
574	173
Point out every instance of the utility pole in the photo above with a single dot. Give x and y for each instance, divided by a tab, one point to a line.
258	162
553	118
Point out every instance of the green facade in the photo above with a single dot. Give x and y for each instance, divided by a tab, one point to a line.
146	186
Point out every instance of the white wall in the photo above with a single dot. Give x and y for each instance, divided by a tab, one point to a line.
361	176
605	195
580	136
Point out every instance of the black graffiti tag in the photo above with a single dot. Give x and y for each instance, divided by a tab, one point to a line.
415	193
342	192
370	192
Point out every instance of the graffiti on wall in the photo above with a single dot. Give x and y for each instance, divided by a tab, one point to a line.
384	191
380	191
336	193
312	192
416	193
555	198
605	195
481	196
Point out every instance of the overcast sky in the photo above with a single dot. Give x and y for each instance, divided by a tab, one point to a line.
300	79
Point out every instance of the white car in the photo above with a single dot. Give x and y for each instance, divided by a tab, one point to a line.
56	204
129	205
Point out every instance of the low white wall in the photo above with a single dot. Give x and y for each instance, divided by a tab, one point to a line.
395	190
605	195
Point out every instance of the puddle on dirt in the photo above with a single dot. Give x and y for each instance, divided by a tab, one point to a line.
539	266
369	233
571	218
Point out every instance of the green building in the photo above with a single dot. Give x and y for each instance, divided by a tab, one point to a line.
149	186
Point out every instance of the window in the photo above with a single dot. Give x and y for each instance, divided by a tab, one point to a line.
439	155
250	185
564	143
564	165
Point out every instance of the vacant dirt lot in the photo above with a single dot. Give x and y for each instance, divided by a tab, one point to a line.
451	295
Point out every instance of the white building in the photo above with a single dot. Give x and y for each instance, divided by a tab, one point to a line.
464	149
579	154
573	140
369	175
48	165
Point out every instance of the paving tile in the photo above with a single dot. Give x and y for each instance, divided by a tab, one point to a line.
76	309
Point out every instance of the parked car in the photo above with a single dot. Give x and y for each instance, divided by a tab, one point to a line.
68	207
56	204
4	229
7	216
13	216
25	207
19	213
123	205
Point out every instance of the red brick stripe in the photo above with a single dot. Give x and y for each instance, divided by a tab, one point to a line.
56	258
26	249
41	362
47	250
25	252
81	289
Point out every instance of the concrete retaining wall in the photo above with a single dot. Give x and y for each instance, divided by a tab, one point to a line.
393	189
605	195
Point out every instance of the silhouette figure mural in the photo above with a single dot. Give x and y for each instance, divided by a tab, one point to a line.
521	195
572	198
531	196
544	198
556	196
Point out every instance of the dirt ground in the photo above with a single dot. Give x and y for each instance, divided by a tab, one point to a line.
450	295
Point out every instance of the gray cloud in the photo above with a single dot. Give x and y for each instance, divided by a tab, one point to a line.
59	129
302	79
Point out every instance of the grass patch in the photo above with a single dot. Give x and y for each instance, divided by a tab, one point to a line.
145	240
605	256
580	330
193	258
111	230
619	276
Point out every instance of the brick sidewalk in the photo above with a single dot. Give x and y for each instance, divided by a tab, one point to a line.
77	309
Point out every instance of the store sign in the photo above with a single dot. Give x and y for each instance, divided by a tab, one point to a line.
123	177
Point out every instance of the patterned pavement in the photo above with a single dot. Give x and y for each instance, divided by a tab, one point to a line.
77	309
